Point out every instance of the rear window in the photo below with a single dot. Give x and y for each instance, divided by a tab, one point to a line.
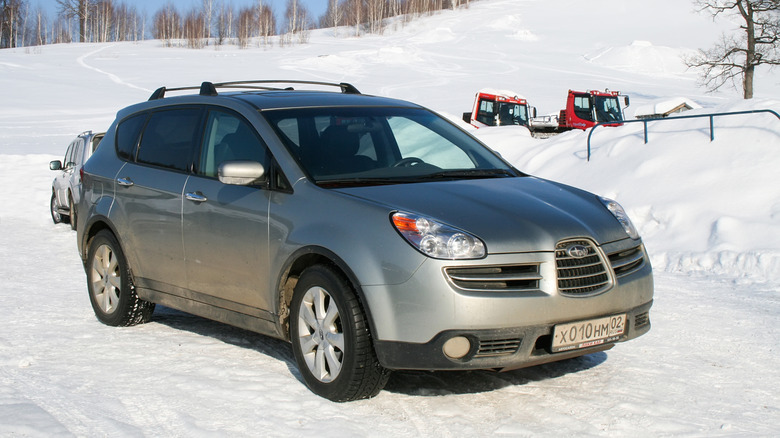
127	134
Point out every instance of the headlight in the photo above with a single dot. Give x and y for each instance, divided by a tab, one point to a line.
437	240
621	216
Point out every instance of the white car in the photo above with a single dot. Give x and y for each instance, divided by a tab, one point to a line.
66	187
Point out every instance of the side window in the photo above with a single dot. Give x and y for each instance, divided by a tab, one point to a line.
582	107
127	134
170	138
66	162
229	138
96	142
78	152
486	113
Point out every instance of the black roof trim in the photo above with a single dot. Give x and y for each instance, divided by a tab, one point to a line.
210	89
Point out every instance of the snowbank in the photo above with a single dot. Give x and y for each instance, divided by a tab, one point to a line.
701	206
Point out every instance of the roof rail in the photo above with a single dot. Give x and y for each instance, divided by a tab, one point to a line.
210	89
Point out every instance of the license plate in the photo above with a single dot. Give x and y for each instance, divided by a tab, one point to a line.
588	333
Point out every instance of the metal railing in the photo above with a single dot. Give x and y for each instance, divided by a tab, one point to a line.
697	116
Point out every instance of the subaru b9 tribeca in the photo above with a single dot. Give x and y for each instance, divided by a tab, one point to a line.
369	232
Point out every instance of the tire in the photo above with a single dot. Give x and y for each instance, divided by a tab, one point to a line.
331	339
55	214
110	285
72	211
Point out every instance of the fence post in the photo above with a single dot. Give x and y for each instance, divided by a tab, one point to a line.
712	128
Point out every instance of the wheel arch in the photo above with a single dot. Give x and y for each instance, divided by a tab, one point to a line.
298	262
94	226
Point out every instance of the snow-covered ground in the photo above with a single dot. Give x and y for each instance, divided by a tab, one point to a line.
709	213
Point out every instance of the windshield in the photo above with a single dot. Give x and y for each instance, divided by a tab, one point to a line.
512	114
381	145
608	109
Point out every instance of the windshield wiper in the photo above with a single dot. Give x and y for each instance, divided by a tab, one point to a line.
359	182
469	174
444	175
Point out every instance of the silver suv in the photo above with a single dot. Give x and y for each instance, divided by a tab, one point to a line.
66	187
371	233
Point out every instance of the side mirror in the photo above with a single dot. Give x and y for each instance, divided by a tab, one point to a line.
241	173
533	112
55	165
625	99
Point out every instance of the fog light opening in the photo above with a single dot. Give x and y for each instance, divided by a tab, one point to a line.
457	347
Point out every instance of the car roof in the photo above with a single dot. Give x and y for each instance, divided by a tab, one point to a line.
270	95
278	99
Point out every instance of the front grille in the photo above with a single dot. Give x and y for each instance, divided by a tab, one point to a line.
497	347
581	269
627	261
642	320
501	278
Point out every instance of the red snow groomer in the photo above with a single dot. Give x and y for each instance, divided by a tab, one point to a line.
499	108
586	108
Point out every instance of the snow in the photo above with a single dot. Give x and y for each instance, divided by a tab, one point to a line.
709	213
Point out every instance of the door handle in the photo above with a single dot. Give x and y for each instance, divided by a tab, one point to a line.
195	197
127	182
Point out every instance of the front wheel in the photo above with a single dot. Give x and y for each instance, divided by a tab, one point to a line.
55	213
331	340
110	284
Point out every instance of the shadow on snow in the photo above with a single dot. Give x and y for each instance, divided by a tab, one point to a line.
412	383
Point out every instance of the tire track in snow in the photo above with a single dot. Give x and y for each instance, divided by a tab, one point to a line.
81	61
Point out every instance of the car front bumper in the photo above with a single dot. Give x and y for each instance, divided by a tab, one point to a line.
509	327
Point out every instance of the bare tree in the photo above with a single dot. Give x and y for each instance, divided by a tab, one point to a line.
167	24
333	16
101	21
24	13
208	16
245	27
224	16
40	27
356	14
60	31
298	21
375	13
737	56
194	29
13	23
266	22
78	9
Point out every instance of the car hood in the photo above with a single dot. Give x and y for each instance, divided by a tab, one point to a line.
519	214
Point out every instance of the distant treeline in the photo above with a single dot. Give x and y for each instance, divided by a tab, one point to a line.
214	22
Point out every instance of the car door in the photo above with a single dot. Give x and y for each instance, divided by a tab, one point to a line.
76	161
225	227
149	193
61	181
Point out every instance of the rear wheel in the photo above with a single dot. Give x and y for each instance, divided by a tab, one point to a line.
110	284
72	211
331	340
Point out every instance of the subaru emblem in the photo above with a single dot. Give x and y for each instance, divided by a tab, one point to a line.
578	251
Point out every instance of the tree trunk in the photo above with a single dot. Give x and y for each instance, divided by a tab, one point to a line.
746	9
83	21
